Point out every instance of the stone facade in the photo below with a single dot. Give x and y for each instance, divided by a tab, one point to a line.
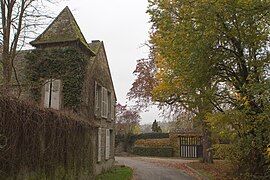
97	97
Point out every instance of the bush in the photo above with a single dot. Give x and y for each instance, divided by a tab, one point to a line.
222	151
154	151
118	139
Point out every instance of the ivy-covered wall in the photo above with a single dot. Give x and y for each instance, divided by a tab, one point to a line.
66	63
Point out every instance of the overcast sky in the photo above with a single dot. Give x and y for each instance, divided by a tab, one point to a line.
123	26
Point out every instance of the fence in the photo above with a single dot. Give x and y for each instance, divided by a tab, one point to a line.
191	146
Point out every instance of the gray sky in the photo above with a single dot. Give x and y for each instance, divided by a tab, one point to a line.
123	26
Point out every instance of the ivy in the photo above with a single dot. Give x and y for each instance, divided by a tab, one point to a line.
66	64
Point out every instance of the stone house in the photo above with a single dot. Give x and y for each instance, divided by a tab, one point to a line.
66	73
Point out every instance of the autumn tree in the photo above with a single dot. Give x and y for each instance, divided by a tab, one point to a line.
126	119
212	58
127	122
19	20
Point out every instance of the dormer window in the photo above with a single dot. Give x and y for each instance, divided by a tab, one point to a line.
52	88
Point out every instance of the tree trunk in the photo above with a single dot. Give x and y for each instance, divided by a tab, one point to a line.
207	143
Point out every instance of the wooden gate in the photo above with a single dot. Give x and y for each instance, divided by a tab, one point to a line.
191	146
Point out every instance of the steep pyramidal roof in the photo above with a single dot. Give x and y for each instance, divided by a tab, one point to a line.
63	29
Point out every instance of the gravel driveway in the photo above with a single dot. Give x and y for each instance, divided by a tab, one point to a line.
144	170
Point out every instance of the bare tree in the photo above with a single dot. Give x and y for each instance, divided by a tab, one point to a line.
19	20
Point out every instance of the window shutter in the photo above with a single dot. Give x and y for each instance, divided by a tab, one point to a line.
106	103
107	155
112	108
104	108
47	87
96	99
103	102
99	145
109	99
55	94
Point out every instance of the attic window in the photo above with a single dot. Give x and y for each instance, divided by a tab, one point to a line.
52	89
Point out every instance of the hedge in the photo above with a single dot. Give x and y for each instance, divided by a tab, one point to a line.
152	143
37	143
153	135
154	151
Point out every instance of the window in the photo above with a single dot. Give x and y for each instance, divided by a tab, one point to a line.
108	144
52	90
104	103
99	145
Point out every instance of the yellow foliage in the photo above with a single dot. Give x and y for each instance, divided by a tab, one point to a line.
152	142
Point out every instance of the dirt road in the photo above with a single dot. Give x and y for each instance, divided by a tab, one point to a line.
144	170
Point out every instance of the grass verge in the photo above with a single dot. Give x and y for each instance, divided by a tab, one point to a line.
117	173
218	170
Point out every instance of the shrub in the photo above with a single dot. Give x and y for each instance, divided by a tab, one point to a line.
222	151
118	139
154	151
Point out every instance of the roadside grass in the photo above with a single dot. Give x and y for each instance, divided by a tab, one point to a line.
117	173
220	169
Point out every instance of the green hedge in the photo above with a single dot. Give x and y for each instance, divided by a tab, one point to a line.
154	151
153	135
